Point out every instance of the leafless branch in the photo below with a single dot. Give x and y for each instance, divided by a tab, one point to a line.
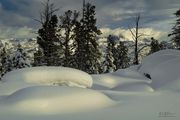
146	45
132	32
40	21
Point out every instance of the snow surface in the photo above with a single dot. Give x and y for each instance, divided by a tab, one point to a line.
122	80
54	100
50	76
163	67
167	73
125	94
151	61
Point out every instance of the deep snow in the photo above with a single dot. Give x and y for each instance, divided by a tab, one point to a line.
54	100
164	69
125	94
51	76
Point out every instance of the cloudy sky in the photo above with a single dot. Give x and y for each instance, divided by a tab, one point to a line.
17	16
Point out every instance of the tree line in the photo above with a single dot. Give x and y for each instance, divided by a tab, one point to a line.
71	40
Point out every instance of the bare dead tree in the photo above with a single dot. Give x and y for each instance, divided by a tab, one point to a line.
136	35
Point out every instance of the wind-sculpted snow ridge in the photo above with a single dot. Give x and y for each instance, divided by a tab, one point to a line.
51	76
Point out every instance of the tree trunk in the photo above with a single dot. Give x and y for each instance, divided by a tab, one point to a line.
136	59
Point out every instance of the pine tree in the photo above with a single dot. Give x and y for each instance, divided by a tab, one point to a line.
20	59
79	46
3	64
38	58
68	21
48	40
176	31
154	46
109	60
87	53
121	56
5	60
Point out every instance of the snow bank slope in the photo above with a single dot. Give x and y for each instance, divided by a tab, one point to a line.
54	100
151	61
163	67
50	76
166	74
122	80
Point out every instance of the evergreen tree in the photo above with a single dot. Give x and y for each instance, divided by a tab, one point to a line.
48	40
4	60
87	53
121	59
116	55
20	59
79	46
176	31
38	58
68	21
154	46
109	60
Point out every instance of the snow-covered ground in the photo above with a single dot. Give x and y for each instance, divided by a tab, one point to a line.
48	93
48	76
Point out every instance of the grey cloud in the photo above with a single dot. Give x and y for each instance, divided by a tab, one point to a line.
112	13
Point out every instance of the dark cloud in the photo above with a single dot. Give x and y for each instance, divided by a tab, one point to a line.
157	14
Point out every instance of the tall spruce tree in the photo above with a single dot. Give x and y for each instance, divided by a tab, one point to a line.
109	60
67	24
47	36
121	57
79	54
87	53
176	31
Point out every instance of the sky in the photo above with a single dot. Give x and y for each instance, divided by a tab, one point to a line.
17	16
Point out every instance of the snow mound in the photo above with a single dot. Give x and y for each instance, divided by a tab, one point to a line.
151	61
166	74
55	100
51	76
163	68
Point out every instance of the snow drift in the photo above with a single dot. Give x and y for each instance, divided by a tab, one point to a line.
51	76
166	74
122	80
55	100
150	62
163	67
